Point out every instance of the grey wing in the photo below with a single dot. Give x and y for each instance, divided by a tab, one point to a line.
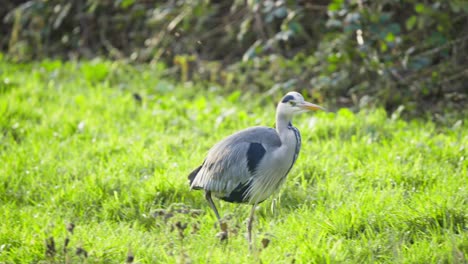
231	164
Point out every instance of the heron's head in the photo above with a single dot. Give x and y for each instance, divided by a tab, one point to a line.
293	103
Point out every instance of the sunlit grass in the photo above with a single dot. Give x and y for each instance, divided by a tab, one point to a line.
77	145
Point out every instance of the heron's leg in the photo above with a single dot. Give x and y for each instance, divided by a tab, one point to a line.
249	225
212	205
223	235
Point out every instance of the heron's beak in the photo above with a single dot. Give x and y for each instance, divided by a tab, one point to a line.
310	106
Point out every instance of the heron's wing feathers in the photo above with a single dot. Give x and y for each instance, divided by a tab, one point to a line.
193	174
231	163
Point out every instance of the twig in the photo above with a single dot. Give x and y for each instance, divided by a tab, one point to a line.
322	8
463	73
107	44
439	48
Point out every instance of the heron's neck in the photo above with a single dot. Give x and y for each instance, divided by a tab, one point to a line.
282	126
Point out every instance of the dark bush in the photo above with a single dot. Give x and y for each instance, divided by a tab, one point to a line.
355	52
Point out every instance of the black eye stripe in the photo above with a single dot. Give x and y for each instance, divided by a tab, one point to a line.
287	98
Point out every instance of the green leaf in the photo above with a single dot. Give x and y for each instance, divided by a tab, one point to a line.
436	38
383	46
419	8
385	17
281	12
234	97
295	27
95	71
51	65
331	67
390	37
394	28
244	28
333	23
335	6
127	3
346	114
200	103
411	22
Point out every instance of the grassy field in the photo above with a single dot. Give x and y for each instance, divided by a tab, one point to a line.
95	156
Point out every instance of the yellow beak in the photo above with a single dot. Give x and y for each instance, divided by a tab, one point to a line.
310	106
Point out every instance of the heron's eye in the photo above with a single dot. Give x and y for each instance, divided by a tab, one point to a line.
292	103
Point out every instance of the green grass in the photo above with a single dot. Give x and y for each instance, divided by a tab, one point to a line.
77	147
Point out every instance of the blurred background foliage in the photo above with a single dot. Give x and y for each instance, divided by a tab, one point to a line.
353	53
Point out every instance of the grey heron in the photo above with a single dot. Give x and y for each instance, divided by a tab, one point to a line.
250	165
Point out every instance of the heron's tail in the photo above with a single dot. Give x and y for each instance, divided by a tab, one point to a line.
193	174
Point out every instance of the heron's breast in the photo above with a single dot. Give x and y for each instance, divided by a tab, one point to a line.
270	175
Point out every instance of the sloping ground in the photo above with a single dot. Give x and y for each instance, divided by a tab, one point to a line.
95	158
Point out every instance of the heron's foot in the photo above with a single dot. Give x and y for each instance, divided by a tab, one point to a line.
223	235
